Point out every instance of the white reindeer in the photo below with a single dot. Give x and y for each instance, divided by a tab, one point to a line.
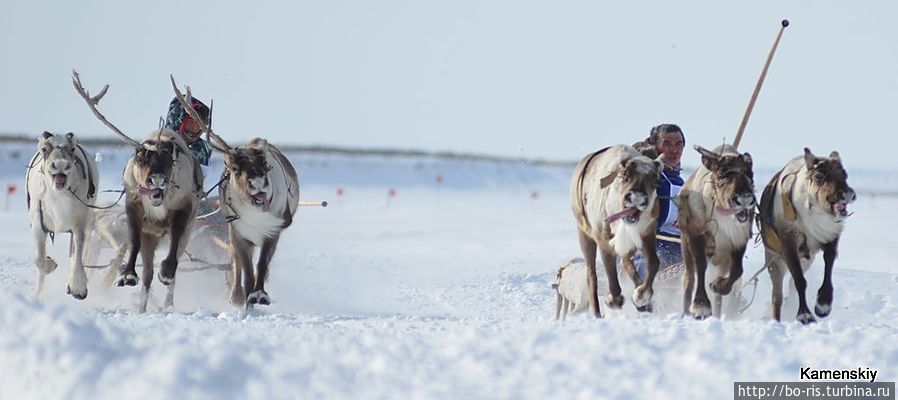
61	185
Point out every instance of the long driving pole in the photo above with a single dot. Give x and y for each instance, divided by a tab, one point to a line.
754	96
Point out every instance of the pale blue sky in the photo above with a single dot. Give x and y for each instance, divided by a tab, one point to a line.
539	79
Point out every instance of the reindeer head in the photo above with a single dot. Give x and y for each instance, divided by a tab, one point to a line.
249	169
734	185
61	168
154	161
828	184
638	180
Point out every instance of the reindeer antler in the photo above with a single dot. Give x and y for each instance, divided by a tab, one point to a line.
217	142
92	103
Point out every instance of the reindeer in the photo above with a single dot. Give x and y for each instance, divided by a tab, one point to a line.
716	210
803	210
570	287
259	191
61	186
163	182
614	201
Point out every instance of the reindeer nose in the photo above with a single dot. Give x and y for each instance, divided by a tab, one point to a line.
636	199
60	165
259	182
156	181
849	196
745	200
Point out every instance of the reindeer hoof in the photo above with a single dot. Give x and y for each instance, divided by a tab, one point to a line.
823	310
646	308
721	287
77	295
642	296
805	318
238	299
167	272
700	310
615	302
126	280
49	265
258	297
166	280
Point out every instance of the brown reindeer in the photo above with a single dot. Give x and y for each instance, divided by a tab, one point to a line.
802	211
716	210
163	182
259	192
614	201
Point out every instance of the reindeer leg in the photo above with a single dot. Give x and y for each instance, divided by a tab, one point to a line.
243	253
630	268
147	254
825	294
116	262
44	264
558	303
588	247
258	294
77	285
642	295
716	305
701	304
689	276
238	295
127	276
119	247
777	272
790	255
181	223
724	284
615	299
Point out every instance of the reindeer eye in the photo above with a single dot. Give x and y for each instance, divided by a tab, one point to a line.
818	178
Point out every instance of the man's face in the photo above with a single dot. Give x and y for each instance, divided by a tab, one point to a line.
670	145
192	126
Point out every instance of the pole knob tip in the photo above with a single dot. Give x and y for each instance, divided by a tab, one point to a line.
785	23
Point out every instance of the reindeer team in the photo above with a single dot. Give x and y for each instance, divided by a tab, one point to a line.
163	183
802	212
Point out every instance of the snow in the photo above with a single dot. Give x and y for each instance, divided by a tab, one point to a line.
439	292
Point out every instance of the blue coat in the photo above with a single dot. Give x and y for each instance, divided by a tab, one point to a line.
668	186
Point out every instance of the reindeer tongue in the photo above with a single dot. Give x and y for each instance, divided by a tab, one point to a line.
840	208
728	211
148	192
59	180
620	214
261	198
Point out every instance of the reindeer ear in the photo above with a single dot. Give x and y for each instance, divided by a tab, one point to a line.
70	138
608	179
746	157
809	158
835	154
710	159
46	135
659	163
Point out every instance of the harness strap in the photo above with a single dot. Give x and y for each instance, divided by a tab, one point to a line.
91	185
40	213
582	222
